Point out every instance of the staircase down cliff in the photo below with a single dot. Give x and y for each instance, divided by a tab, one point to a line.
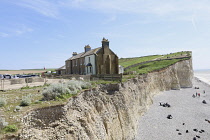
108	112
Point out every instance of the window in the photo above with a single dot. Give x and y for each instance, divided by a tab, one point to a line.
90	69
89	59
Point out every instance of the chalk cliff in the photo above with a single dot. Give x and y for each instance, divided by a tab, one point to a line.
108	112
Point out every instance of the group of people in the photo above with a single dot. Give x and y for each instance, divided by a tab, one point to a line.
198	94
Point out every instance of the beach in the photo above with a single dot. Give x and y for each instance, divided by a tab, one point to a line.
188	115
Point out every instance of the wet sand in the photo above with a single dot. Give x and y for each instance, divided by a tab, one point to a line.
188	113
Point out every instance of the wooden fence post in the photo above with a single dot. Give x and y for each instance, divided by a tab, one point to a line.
3	84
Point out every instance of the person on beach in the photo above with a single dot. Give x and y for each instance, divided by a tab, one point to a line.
199	94
196	94
193	96
203	91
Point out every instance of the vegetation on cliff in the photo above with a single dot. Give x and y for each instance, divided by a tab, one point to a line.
15	103
125	62
143	65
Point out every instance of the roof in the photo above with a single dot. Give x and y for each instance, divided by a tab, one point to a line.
83	54
76	56
63	67
90	52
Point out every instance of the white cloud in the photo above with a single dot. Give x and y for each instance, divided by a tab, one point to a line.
22	30
16	30
44	7
3	34
163	8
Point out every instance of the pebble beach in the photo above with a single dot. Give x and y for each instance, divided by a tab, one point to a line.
189	116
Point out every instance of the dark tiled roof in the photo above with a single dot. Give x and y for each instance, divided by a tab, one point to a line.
90	52
83	54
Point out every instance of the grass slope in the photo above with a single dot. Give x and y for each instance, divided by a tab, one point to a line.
153	66
125	62
163	62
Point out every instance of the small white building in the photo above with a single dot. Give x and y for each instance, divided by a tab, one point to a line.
121	69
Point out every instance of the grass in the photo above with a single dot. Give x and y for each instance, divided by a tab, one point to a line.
14	99
125	62
22	100
10	128
177	54
153	66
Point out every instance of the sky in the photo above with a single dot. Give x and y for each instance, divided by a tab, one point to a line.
44	33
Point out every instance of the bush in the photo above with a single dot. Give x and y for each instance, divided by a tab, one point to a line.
17	108
55	90
60	90
3	123
10	128
26	100
74	85
3	102
86	85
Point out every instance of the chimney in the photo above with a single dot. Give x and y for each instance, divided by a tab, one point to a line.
74	54
87	48
105	43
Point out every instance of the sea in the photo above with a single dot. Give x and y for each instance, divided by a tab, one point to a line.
203	75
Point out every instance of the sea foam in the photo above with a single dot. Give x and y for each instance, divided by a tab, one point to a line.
203	75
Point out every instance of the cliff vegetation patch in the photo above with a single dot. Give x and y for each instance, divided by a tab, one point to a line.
144	65
15	103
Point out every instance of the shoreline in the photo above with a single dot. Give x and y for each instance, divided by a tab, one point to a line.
188	113
200	79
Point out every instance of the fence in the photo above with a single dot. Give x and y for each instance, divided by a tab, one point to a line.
7	83
2	84
109	77
70	76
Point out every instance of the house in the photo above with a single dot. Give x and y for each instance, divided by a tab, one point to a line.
61	70
100	60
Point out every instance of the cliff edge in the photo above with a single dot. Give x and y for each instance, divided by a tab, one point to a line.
107	112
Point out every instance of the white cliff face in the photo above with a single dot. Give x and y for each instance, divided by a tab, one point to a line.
109	112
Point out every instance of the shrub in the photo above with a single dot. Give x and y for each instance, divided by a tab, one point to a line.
10	128
37	102
17	108
26	100
74	85
86	85
3	123
55	90
26	87
60	90
3	102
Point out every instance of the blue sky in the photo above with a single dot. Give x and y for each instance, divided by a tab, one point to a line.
44	33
